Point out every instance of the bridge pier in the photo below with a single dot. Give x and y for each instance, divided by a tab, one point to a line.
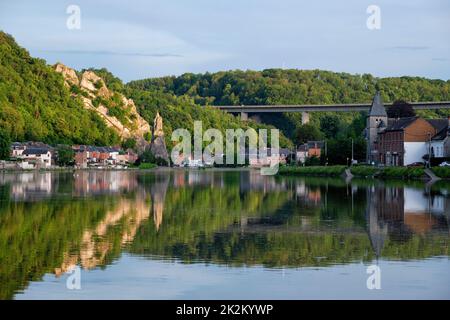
244	116
255	117
305	117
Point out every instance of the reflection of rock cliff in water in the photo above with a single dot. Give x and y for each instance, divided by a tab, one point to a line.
128	214
158	194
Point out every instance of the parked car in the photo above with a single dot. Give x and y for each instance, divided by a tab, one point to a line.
445	164
416	164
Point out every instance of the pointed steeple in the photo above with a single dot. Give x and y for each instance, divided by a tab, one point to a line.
377	109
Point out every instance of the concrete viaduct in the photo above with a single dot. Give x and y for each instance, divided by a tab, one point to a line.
305	109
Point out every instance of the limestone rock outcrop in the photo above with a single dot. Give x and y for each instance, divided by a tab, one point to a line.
95	93
69	74
158	145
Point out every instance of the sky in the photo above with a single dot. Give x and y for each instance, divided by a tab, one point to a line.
138	39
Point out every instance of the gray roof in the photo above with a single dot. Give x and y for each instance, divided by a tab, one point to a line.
400	124
438	124
377	108
316	144
35	151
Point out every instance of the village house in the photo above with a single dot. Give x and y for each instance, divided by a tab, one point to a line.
102	156
32	154
308	150
403	141
440	144
40	157
258	160
17	149
302	153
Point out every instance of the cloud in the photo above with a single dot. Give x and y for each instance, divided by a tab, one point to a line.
409	48
440	59
113	53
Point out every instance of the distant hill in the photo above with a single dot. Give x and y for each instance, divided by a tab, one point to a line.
277	86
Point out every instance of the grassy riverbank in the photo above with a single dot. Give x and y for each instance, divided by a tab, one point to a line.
330	171
404	173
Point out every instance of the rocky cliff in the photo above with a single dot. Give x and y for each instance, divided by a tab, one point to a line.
118	112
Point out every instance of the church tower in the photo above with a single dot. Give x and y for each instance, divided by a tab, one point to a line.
377	120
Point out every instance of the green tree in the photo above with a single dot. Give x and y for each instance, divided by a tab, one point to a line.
400	109
5	145
65	155
129	143
330	125
308	132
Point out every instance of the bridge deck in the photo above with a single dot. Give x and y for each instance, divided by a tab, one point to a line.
328	107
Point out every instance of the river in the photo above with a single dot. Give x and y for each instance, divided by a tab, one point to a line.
220	234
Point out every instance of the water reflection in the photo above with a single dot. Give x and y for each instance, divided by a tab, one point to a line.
50	222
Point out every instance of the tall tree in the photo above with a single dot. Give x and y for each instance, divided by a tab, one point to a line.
400	109
308	132
5	145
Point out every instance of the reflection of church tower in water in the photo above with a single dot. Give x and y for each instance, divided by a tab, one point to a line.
385	206
158	195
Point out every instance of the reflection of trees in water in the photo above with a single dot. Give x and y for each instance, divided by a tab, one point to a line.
117	228
213	216
319	224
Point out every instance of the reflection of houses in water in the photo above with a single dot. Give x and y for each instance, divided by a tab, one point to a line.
33	186
183	178
398	213
30	186
307	194
252	180
88	182
249	180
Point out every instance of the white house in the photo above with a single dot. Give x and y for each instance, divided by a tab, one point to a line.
40	156
440	144
17	149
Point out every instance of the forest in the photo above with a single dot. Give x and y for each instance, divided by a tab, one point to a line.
279	86
36	106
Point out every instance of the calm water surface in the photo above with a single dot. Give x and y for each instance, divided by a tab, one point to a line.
220	234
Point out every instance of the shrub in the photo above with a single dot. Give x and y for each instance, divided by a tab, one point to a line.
98	84
442	172
331	171
147	166
402	172
364	171
312	161
129	143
